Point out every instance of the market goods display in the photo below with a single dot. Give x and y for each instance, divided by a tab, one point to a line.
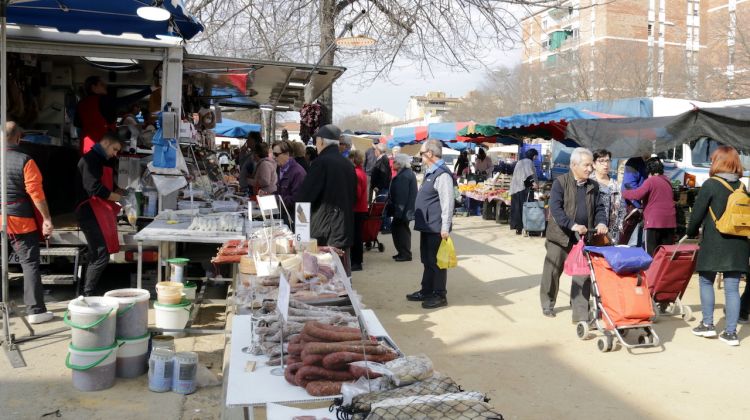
362	404
320	356
462	405
223	223
484	192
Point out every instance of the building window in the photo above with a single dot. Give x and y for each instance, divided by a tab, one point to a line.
650	29
544	23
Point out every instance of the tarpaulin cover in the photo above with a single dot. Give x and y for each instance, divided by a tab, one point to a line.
236	129
446	131
631	107
108	17
628	137
548	125
407	135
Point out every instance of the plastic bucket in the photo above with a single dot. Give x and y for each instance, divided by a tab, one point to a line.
93	321
177	269
132	315
132	357
160	370
173	316
185	370
169	292
190	290
93	369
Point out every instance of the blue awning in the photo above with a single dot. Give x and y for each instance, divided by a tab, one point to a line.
234	128
536	118
109	17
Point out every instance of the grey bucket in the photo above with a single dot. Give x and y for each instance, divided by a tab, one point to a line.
132	315
92	321
92	369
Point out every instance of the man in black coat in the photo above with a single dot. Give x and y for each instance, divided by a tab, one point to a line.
331	188
401	202
381	173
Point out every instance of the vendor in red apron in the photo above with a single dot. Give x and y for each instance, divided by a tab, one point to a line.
96	114
98	208
28	215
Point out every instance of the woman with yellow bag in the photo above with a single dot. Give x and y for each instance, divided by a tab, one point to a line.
433	216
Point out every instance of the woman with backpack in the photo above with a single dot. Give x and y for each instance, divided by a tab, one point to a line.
719	252
659	216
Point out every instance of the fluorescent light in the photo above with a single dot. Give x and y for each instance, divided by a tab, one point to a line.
266	107
112	60
156	14
297	84
282	107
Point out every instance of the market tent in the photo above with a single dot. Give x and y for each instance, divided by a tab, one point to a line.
447	132
630	137
107	17
549	125
234	128
407	135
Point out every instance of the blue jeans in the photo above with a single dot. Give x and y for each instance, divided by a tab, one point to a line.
731	295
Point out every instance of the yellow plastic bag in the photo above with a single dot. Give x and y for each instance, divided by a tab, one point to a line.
446	256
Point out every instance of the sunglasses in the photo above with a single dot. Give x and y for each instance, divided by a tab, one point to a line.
275	154
423	153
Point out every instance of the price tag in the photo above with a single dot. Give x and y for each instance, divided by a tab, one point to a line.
302	222
267	203
250	211
353	297
282	302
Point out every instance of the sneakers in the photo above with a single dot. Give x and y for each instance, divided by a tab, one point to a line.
435	301
729	338
418	296
40	318
549	313
703	330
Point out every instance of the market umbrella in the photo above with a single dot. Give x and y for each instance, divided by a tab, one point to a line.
233	128
480	130
407	135
549	124
107	17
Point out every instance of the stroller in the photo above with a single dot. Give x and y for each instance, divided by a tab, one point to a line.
669	275
373	223
622	304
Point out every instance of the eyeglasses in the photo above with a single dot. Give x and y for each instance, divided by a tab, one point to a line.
277	154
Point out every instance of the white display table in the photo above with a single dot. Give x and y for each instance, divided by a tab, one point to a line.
247	389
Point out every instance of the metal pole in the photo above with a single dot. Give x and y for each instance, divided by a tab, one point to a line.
3	145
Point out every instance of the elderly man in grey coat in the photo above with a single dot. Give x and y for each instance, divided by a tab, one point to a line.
576	210
433	218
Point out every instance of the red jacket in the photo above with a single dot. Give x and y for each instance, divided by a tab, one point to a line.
360	206
656	193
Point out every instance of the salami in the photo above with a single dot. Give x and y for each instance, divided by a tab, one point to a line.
290	371
306	374
339	360
324	388
313	329
326	348
313	360
359	372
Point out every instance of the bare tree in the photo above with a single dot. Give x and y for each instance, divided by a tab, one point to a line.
414	33
359	122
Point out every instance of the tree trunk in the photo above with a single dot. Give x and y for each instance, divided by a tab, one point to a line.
327	37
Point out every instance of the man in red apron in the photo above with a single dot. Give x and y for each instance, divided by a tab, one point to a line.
96	114
98	208
26	202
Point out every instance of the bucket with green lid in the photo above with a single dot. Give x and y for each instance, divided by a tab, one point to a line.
177	269
173	316
92	369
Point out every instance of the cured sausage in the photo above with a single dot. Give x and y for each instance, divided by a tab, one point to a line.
295	348
359	372
339	360
305	374
294	339
313	360
326	348
323	334
337	328
324	388
290	371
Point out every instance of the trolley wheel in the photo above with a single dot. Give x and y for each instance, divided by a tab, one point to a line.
601	344
381	247
687	313
645	339
368	246
623	332
582	330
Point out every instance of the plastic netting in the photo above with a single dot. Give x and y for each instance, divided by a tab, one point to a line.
455	406
361	404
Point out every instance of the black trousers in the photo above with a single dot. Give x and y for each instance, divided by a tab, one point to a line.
745	300
98	256
434	279
656	237
580	287
401	237
516	208
26	247
357	248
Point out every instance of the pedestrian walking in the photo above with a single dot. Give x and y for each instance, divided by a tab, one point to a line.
402	198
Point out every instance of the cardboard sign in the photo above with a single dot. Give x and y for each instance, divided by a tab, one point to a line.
267	203
282	302
302	217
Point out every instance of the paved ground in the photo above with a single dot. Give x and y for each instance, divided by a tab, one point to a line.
491	338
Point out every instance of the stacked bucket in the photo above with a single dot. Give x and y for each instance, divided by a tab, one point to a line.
173	306
109	338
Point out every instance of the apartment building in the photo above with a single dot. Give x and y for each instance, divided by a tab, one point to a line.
595	49
433	104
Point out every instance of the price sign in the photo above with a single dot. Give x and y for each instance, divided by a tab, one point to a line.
282	302
250	211
267	203
353	297
302	222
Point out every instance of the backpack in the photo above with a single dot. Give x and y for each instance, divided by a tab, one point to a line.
736	218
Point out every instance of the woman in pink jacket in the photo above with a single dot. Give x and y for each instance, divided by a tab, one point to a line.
659	217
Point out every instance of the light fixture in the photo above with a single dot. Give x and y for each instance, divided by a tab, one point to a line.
355	41
153	13
282	107
297	84
266	107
